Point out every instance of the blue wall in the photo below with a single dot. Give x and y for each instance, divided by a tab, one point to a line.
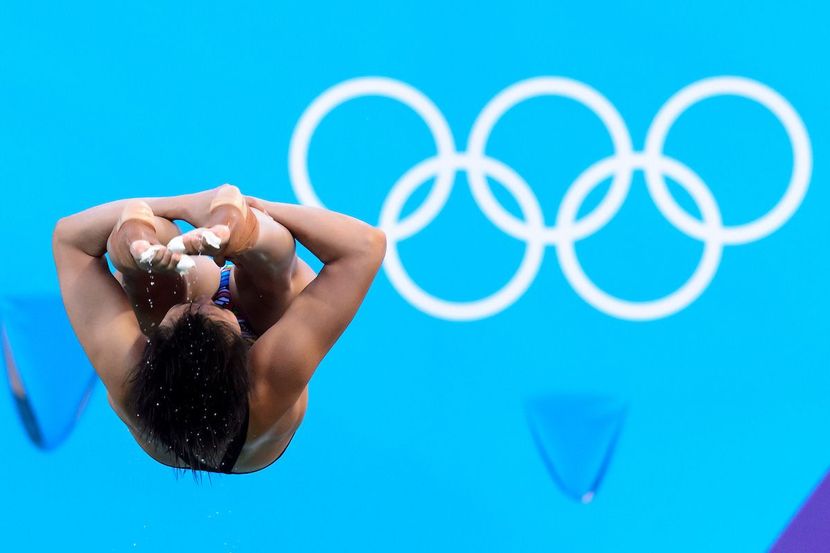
416	437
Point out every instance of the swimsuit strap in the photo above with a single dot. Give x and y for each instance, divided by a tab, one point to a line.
222	298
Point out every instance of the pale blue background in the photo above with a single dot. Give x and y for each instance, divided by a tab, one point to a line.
415	438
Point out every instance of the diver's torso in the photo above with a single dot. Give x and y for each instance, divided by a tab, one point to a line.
261	308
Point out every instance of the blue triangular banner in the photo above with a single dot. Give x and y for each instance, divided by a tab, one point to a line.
48	373
576	436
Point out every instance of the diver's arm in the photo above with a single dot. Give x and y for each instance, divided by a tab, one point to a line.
260	247
98	309
89	229
352	252
327	234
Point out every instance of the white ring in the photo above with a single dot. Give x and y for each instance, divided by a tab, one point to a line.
775	103
567	229
372	86
471	310
550	86
644	310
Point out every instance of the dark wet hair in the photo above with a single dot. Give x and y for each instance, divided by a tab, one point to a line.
189	392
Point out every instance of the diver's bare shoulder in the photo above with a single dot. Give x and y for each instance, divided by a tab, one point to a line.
274	417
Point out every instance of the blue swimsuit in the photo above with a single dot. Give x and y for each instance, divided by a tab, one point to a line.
222	298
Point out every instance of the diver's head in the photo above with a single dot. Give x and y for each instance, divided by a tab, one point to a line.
202	305
189	392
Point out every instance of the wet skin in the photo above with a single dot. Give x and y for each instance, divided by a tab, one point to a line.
157	299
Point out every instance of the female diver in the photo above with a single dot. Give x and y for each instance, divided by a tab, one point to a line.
209	367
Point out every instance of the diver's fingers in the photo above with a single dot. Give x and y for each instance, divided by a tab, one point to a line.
175	258
175	262
137	249
176	244
215	238
146	255
185	264
156	263
164	262
191	241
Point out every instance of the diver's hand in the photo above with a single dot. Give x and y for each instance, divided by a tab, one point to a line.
212	241
157	258
133	245
226	225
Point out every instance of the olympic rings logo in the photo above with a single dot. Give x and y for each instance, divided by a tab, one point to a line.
567	229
